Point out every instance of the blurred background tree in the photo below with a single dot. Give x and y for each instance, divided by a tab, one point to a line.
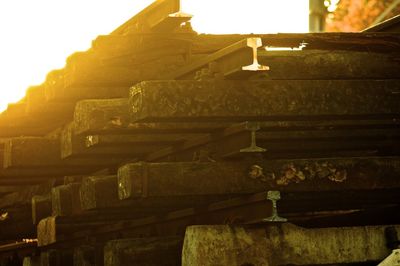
357	15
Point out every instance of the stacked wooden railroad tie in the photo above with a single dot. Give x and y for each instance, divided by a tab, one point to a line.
147	133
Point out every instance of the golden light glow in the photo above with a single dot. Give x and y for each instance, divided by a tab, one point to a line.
37	36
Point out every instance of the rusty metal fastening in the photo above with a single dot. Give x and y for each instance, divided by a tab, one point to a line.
274	196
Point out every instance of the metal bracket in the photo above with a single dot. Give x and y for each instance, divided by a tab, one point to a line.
254	43
274	196
253	127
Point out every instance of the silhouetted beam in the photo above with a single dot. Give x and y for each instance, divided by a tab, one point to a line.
172	101
147	180
291	139
149	18
85	69
39	152
24	195
228	62
328	64
332	41
320	64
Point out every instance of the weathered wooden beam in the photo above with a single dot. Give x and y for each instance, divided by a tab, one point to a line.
280	141
75	148
92	115
31	261
55	90
101	193
31	152
84	69
41	207
142	47
38	152
98	192
24	195
143	251
281	245
149	17
54	257
139	180
302	208
229	61
324	64
173	101
84	256
369	42
65	200
112	117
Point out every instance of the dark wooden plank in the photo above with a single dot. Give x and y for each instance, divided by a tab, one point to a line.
172	101
84	69
369	42
91	115
65	200
37	152
41	207
144	251
24	195
328	64
149	17
99	192
31	151
55	90
58	257
139	180
84	256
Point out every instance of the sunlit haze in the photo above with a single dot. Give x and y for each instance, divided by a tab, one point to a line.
37	36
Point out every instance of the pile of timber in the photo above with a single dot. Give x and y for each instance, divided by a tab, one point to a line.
156	130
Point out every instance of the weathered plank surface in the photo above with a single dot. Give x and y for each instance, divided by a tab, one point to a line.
283	245
263	100
193	178
143	251
41	207
148	19
65	200
31	152
98	192
370	42
75	148
84	69
92	115
24	195
84	256
55	91
326	64
31	261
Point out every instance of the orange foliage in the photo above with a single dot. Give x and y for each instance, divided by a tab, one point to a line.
356	15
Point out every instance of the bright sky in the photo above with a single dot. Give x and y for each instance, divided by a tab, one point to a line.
37	36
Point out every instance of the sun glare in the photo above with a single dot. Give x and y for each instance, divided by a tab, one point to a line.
37	36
